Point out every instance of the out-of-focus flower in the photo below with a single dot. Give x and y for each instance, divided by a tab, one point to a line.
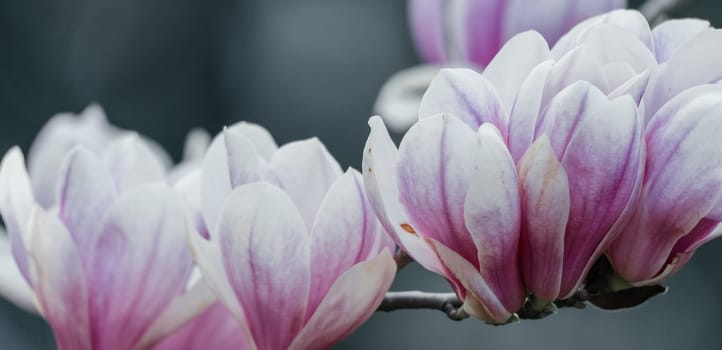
473	31
469	33
108	263
284	239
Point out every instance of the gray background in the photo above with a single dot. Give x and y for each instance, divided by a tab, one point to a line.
300	68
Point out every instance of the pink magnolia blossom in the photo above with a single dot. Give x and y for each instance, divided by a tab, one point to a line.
91	130
108	263
288	243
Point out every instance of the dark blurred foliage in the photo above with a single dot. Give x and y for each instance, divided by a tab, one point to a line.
301	69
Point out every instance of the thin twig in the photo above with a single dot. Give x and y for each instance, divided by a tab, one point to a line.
447	303
657	10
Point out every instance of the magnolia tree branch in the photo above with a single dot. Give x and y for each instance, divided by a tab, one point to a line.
447	303
657	10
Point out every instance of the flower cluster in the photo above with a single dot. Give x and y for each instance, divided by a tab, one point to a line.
513	185
516	181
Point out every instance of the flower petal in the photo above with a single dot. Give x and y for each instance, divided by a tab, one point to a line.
131	163
526	110
261	139
12	283
214	329
400	97
683	182
479	29
492	214
487	305
345	232
433	173
467	95
511	66
348	303
141	232
670	35
305	170
426	19
16	205
694	63
86	192
380	181
545	208
60	285
264	242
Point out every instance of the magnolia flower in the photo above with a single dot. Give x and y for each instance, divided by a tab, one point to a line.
108	264
469	33
284	239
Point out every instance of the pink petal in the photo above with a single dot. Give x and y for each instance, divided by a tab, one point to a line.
16	205
86	192
214	329
603	161
511	66
480	29
433	173
526	110
467	95
141	232
266	255
380	181
694	63
426	19
231	161
492	214
60	285
348	303
682	182
485	304
345	232
545	208
304	170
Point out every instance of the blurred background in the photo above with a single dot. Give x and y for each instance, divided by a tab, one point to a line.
301	69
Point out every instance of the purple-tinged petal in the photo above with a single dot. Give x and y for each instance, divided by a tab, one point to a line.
579	65
60	285
511	66
12	283
479	300
348	303
545	208
59	136
266	255
131	163
436	159
231	161
426	21
682	183
305	170
345	232
493	217
380	180
603	161
478	29
694	63
214	329
615	44
526	110
16	205
670	35
182	310
261	139
468	96
86	192
141	232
